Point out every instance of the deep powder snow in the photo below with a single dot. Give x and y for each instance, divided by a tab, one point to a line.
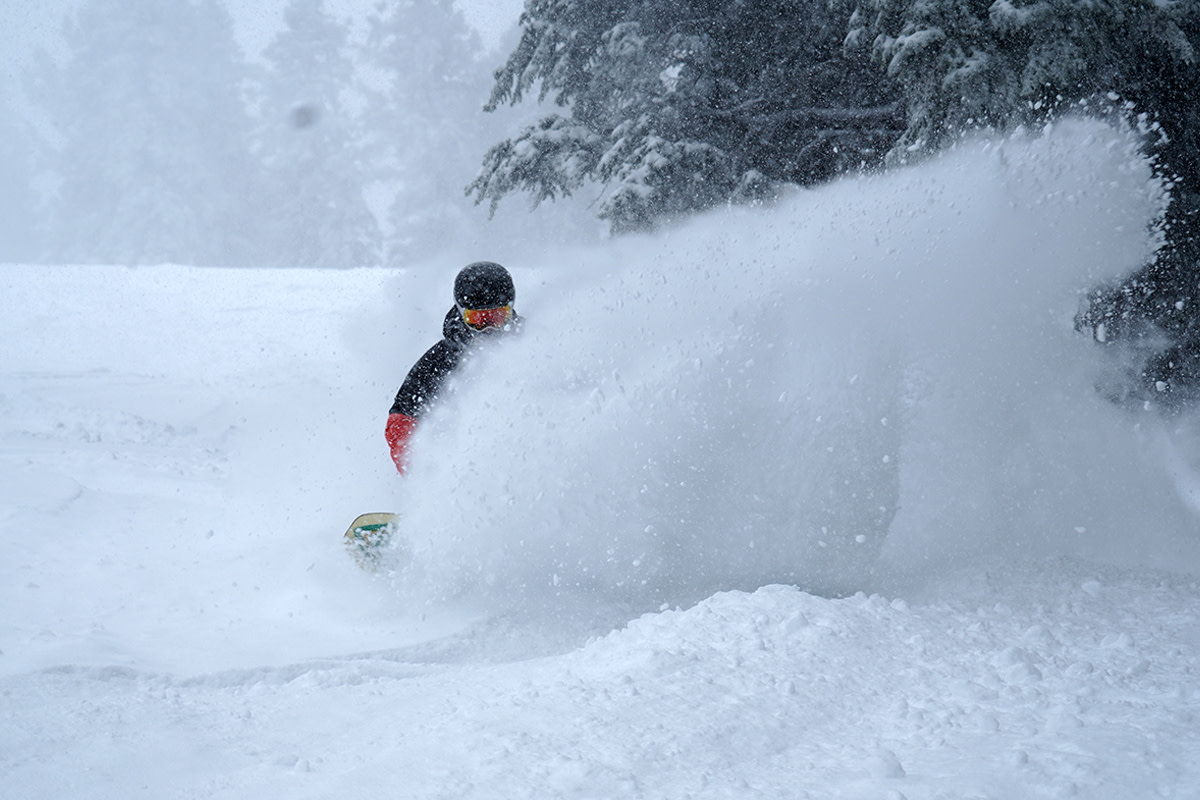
810	501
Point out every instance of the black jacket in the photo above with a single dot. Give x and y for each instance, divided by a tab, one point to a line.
425	379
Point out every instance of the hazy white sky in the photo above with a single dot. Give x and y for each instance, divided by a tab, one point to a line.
492	18
257	20
26	25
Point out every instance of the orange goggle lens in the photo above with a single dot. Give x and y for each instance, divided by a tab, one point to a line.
481	318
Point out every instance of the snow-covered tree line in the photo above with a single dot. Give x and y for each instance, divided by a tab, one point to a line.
156	138
677	105
964	64
670	106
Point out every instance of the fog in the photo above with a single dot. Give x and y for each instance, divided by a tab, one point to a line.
335	134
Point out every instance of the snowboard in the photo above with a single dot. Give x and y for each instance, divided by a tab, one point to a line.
368	537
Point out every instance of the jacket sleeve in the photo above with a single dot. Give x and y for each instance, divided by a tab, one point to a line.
419	389
425	380
399	432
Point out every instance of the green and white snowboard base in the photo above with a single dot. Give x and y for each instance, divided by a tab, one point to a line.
369	536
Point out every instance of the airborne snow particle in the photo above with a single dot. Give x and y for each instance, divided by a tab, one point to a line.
304	116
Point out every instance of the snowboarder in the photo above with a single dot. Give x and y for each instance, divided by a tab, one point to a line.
483	306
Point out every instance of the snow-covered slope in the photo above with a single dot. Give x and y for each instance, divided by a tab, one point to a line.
812	501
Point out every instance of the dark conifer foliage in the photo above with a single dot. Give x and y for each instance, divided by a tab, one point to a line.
676	105
672	106
1152	320
967	64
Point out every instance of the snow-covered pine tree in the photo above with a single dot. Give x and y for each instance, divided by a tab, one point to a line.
309	144
19	153
423	119
676	105
965	64
154	163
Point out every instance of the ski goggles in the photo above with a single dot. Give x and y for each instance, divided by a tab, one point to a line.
483	318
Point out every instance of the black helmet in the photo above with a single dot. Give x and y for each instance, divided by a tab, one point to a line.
484	284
